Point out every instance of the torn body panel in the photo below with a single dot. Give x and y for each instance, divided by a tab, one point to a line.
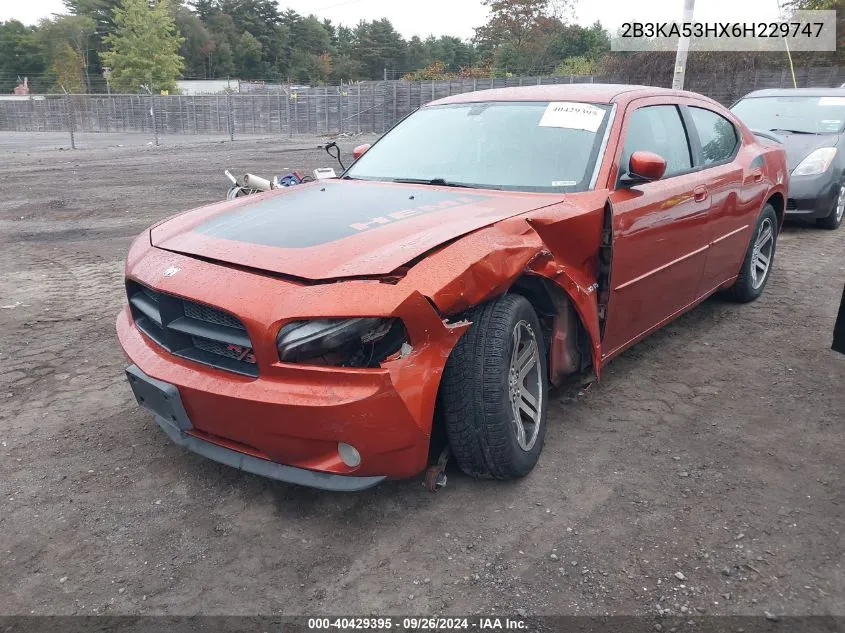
564	357
559	243
477	268
416	376
573	235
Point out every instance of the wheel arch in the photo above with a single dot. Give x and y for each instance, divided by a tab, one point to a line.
558	272
571	347
569	344
778	202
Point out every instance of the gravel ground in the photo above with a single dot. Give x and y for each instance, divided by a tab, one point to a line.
703	475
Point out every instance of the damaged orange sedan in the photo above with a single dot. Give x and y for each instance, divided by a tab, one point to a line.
490	245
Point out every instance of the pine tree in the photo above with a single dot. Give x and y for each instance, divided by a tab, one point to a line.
144	47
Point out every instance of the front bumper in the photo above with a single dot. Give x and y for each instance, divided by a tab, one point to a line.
812	197
163	401
295	415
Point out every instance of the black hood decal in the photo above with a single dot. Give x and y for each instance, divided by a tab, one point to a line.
325	212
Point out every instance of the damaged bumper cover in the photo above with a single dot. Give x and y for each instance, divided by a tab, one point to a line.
289	420
163	401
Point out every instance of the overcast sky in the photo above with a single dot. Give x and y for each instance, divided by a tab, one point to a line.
458	17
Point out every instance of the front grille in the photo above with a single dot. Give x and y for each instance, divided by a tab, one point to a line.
790	205
211	315
192	330
223	349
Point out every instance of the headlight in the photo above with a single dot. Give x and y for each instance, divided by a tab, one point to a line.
360	342
816	163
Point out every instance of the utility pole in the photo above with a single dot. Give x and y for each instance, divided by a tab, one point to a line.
788	52
230	121
149	89
683	50
107	77
69	108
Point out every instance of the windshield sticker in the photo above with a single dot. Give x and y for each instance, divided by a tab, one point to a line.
564	183
832	101
573	116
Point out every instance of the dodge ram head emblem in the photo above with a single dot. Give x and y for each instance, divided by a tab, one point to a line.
171	271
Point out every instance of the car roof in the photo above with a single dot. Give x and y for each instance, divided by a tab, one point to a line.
796	92
589	93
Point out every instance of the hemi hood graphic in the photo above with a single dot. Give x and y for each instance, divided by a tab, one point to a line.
336	228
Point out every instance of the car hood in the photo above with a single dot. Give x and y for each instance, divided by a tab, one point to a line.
338	228
799	146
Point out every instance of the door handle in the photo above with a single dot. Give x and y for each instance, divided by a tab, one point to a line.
700	193
757	175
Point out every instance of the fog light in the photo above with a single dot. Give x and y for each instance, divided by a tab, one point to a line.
349	455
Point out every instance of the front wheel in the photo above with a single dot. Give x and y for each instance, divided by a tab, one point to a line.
494	392
833	220
757	265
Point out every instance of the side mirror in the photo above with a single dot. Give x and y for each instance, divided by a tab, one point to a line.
644	167
359	151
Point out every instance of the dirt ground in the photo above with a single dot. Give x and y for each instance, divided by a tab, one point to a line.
703	475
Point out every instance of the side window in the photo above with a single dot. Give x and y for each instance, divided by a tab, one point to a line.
658	129
717	134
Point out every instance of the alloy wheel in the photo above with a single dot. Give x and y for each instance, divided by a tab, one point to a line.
761	256
525	384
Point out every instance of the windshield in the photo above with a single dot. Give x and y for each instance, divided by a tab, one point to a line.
518	146
799	114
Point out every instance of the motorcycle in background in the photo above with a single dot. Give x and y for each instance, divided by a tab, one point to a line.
249	184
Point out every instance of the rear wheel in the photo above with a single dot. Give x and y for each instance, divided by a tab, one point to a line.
494	392
757	265
835	218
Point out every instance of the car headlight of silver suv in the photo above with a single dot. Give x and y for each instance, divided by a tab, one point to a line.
358	342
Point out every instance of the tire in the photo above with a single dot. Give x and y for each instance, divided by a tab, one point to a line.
832	221
752	279
477	397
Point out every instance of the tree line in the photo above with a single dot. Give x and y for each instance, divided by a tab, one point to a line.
134	45
137	45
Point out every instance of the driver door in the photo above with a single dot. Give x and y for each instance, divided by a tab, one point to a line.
660	237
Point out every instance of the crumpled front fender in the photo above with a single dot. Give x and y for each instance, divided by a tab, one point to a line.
560	244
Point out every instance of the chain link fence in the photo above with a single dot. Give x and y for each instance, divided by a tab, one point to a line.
366	107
